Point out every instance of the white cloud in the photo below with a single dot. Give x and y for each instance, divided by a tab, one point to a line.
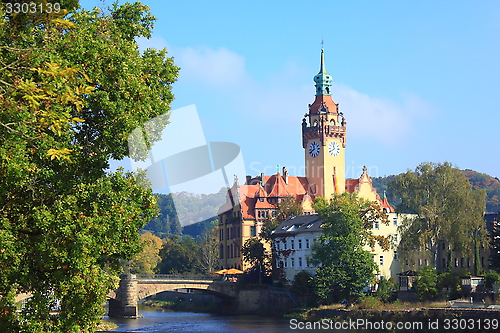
377	118
219	67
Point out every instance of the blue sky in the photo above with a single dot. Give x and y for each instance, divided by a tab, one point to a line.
416	80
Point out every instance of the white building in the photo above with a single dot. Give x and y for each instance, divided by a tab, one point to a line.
293	239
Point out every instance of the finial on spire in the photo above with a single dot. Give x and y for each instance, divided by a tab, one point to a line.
385	197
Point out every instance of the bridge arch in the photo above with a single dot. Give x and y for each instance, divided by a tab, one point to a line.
133	288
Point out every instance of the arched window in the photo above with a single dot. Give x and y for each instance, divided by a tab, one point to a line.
315	123
332	122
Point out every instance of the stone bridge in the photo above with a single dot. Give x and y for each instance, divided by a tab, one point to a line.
134	287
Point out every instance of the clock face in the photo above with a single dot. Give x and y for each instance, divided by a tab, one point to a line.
334	148
314	149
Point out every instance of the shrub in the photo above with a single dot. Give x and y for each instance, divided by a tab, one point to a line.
425	284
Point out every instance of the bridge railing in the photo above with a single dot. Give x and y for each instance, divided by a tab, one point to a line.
177	277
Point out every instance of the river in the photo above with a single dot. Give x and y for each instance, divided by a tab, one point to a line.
159	322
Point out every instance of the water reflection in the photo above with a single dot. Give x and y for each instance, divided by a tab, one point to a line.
155	321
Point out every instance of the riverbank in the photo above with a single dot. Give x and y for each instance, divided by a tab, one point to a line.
428	317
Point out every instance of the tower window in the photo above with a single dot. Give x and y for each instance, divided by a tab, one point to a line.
332	122
315	123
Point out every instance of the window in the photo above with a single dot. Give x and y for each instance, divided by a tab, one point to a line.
307	243
285	263
381	260
292	263
300	261
274	213
239	232
284	244
482	261
444	263
376	225
261	199
419	262
468	262
228	251
395	221
426	262
292	245
396	255
443	247
300	244
456	262
221	236
258	214
461	262
395	238
221	251
253	231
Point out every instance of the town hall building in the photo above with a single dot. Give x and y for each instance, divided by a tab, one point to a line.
324	130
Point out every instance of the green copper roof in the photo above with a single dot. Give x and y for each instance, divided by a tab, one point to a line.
323	80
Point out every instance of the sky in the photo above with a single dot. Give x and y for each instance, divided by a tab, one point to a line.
418	81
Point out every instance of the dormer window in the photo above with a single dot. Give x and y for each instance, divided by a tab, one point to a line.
261	199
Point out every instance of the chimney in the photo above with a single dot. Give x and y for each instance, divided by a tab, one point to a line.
285	175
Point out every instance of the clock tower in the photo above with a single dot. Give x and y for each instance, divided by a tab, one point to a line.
324	139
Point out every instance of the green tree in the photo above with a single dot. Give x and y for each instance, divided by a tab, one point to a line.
385	289
73	85
178	256
344	263
447	209
146	261
425	284
254	252
490	279
449	281
208	253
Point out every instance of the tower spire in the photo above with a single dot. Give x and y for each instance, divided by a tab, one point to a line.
323	80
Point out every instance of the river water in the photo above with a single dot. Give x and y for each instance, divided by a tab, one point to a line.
156	321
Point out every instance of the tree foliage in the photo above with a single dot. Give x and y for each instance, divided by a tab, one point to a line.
446	206
254	252
478	180
426	283
73	85
146	261
344	263
178	256
207	259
